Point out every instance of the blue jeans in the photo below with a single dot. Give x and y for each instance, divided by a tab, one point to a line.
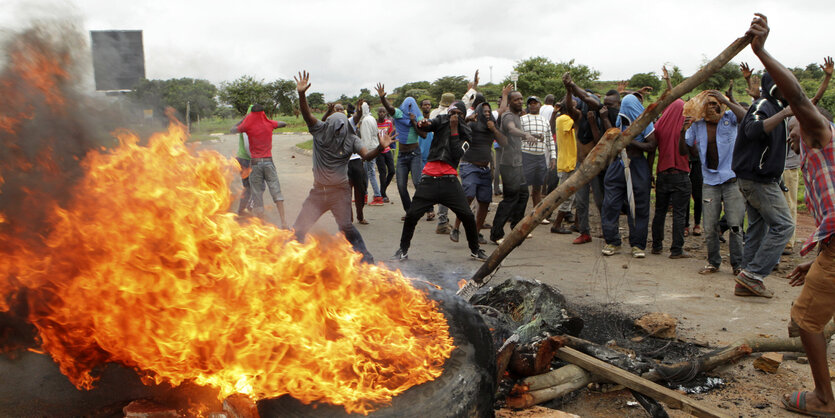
408	162
371	170
770	226
714	198
582	200
615	199
336	199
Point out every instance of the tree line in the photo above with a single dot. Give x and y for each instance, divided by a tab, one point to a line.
538	76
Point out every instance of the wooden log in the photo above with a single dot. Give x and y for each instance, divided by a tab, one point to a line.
504	354
534	358
671	398
529	399
612	142
561	376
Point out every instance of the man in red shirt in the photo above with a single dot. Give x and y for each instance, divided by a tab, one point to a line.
259	129
439	180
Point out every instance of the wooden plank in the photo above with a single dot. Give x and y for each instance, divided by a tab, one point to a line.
605	370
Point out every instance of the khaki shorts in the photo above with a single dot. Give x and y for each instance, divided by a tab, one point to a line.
815	305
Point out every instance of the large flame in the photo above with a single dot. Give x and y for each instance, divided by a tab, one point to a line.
146	267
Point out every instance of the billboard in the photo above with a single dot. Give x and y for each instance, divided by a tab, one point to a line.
118	58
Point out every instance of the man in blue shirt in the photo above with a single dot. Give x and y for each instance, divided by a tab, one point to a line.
712	139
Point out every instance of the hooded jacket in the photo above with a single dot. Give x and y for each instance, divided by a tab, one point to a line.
761	156
445	147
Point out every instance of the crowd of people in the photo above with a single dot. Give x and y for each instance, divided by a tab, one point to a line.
736	160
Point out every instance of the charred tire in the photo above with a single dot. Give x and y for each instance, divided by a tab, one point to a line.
465	389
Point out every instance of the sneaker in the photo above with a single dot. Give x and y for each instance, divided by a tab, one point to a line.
545	222
610	249
582	239
378	201
479	255
559	229
788	250
443	229
638	253
683	254
656	250
454	235
400	255
386	199
740	290
481	240
498	241
755	286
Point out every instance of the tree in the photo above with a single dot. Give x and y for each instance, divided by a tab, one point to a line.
455	84
675	76
179	93
720	79
646	79
316	100
284	97
245	91
423	85
540	76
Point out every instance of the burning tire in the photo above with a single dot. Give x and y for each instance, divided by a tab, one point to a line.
466	387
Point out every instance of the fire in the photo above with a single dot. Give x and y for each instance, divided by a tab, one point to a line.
146	267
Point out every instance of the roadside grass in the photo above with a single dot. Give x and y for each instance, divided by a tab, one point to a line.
206	127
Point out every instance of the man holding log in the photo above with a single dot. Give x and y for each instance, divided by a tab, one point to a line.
815	305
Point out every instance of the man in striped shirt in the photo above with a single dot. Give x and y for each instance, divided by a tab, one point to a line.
537	156
815	305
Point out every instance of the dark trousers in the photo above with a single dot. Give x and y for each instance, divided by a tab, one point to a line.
671	188
336	199
358	178
385	166
448	192
615	198
582	199
408	162
514	200
696	186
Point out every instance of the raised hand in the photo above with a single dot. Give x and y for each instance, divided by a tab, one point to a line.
753	87
621	87
828	66
331	107
759	30
381	89
566	78
385	139
474	84
746	72
730	92
664	74
302	82
507	89
645	90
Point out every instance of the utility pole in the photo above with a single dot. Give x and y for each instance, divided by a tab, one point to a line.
491	74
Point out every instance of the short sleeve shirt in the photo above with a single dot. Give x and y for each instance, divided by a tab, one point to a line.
512	153
726	131
413	136
566	144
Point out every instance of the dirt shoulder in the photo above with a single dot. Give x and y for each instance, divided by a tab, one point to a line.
704	305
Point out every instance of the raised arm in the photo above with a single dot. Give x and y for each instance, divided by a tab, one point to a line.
738	110
582	95
381	91
750	82
827	68
302	84
814	126
384	141
569	108
331	109
666	76
505	92
683	148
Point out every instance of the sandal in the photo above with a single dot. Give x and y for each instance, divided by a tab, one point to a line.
796	402
709	269
363	222
430	216
686	231
697	230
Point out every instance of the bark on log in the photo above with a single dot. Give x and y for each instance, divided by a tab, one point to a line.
529	399
609	146
534	358
504	354
556	377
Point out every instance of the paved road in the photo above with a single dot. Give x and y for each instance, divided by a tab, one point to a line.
704	305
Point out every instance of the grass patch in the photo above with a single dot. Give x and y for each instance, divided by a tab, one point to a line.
308	145
203	131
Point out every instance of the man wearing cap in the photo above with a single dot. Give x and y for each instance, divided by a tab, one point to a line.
333	143
259	131
537	156
443	105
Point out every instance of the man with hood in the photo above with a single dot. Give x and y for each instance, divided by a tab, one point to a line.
368	134
408	157
333	143
616	187
758	161
259	131
439	183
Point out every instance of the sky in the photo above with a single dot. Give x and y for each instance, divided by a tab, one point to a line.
347	46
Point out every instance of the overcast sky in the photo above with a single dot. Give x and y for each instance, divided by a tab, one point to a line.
350	45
